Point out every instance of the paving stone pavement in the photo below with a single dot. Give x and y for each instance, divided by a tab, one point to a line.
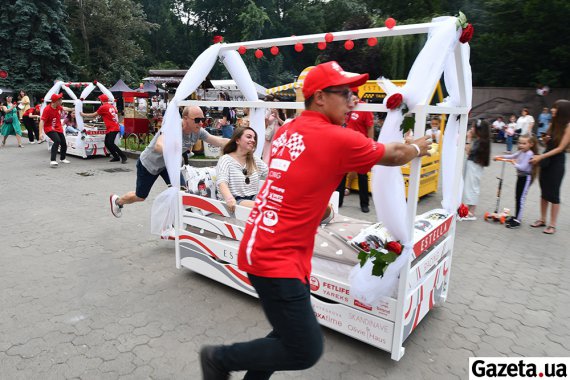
86	296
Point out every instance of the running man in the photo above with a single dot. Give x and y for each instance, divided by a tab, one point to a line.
277	246
151	164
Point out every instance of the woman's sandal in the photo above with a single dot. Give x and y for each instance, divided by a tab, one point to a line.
550	230
538	223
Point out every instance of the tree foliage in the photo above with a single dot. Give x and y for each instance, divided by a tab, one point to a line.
35	45
107	37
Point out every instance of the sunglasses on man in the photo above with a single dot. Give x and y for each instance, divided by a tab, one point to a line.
199	120
346	93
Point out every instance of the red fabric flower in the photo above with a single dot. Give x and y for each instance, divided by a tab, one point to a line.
298	47
463	211
364	245
394	101
258	54
394	246
322	45
218	39
241	50
349	45
3	74
274	50
466	34
329	37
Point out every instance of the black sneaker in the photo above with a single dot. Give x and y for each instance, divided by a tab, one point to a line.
124	160
209	369
365	209
513	223
114	159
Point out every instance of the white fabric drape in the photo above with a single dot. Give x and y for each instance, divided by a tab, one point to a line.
69	92
388	189
451	143
105	91
79	108
240	74
166	203
54	90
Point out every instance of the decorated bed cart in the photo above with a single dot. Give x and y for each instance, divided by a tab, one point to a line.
90	140
347	293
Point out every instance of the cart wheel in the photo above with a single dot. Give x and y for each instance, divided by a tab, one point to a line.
502	219
486	216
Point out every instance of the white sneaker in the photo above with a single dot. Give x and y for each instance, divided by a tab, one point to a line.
66	161
53	164
32	142
116	210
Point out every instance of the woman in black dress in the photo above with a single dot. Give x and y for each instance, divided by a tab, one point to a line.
552	163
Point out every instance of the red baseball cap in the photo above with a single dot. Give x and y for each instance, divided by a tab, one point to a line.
330	74
104	98
56	97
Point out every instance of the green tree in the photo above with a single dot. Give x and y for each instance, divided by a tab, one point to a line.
34	43
520	43
107	38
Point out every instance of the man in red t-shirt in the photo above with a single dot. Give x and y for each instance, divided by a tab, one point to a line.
50	123
363	123
28	119
110	117
309	156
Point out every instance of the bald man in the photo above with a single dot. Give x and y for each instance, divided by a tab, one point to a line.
151	164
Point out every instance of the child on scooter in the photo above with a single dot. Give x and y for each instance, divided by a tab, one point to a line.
528	147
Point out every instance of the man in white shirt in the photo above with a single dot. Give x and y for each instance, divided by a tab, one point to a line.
499	129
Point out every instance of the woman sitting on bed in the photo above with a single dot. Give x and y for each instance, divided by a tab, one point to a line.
239	171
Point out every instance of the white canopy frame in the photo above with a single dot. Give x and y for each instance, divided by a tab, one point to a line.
450	59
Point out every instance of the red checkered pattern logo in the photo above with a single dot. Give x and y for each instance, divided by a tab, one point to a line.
295	145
